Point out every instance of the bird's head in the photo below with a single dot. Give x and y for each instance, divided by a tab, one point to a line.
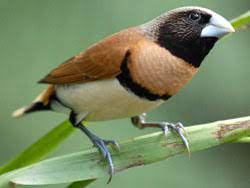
188	32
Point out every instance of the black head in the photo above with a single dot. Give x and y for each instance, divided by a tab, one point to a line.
189	32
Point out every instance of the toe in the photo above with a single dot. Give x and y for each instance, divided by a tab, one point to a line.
113	144
180	125
179	129
102	146
111	168
184	140
165	129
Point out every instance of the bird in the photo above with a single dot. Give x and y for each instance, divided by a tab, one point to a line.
132	72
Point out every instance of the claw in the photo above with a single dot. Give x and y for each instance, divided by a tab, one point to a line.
178	128
184	140
111	168
113	144
179	124
102	146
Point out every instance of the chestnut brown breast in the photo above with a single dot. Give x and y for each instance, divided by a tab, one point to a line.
156	69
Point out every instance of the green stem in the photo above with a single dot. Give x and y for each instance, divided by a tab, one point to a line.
241	22
138	151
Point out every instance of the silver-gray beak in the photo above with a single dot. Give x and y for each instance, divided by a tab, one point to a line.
218	27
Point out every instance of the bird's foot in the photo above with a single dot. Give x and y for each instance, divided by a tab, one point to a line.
140	122
179	129
102	147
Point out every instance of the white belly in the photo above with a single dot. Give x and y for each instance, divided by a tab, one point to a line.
103	100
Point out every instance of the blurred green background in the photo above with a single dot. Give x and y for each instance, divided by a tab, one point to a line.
36	36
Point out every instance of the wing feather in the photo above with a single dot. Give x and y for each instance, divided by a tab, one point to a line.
100	61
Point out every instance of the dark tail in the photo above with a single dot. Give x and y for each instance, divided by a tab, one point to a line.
41	103
36	106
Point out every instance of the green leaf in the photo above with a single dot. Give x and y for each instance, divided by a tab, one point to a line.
40	148
81	184
245	140
139	151
242	21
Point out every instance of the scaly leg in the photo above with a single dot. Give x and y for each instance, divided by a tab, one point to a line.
99	143
140	122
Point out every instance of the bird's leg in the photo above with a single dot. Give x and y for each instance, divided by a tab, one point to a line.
140	122
101	144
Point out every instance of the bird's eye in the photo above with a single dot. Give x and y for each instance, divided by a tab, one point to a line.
194	16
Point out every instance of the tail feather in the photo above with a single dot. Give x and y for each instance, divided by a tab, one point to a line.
42	102
19	112
36	106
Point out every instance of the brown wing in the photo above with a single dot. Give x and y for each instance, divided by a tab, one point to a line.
100	61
